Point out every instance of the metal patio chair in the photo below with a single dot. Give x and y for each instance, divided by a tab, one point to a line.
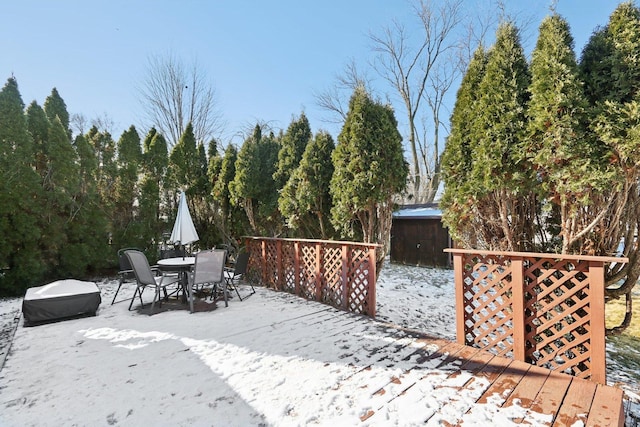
233	275
208	271
147	278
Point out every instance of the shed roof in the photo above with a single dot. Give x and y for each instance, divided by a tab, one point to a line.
430	210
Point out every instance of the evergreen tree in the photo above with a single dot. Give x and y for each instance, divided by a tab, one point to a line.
54	106
202	200
184	162
566	160
88	231
293	144
126	229
611	59
369	170
305	201
500	181
232	222
152	191
62	186
616	123
38	126
457	158
105	174
20	190
253	186
594	68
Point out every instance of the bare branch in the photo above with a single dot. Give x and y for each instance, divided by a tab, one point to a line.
335	99
172	96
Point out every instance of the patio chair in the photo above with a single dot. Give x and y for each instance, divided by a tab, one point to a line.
233	275
146	277
125	273
208	271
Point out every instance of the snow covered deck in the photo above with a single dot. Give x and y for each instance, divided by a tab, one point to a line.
276	359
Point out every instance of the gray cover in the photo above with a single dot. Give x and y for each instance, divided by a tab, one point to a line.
61	299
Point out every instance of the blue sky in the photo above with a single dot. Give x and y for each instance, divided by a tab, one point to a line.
265	59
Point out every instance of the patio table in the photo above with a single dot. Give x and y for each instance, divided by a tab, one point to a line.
180	265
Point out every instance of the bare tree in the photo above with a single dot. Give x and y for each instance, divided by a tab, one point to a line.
173	95
81	124
422	74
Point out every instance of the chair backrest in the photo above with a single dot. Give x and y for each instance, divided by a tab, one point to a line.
172	253
241	263
123	260
209	267
140	267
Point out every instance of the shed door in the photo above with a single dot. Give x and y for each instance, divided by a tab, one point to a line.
419	242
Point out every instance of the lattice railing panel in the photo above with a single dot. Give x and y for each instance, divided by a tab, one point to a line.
254	267
342	274
357	285
288	255
557	315
308	271
271	264
545	309
332	274
487	302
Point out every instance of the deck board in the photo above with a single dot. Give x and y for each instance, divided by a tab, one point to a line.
577	403
605	410
553	397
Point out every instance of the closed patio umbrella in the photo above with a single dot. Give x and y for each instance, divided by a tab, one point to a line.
184	231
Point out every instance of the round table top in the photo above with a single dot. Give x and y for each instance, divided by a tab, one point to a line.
177	261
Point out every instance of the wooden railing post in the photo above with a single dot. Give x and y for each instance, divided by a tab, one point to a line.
345	275
458	279
296	267
263	264
279	268
371	286
319	282
598	346
517	301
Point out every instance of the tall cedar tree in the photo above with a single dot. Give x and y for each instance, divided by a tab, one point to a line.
202	199
610	65
370	170
305	201
126	230
292	145
90	225
54	106
184	162
457	158
500	182
253	186
62	187
38	126
105	149
20	190
233	221
566	160
155	160
617	125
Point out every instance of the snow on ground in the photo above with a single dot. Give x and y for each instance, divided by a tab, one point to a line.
421	299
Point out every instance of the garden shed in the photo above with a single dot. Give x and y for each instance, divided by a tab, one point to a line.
418	236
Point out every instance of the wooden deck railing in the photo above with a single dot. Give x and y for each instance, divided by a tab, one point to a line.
544	309
341	274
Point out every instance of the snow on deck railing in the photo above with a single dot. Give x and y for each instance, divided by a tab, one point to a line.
338	273
544	309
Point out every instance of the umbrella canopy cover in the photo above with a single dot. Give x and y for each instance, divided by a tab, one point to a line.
183	230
